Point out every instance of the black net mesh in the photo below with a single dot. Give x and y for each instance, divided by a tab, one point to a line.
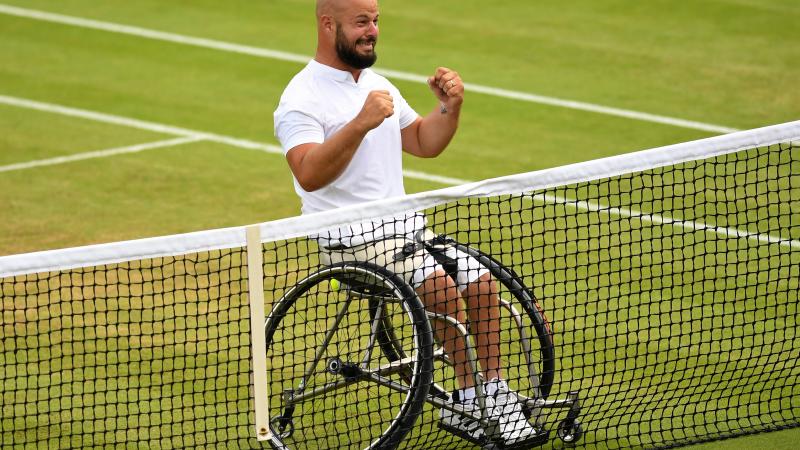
651	309
153	353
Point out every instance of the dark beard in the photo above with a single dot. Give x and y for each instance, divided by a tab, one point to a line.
349	55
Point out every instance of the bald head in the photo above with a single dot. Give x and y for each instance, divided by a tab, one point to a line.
330	7
336	8
347	32
323	7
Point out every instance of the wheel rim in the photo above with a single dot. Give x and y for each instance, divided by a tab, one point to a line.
354	412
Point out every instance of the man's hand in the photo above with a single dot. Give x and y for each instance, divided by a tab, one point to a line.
378	107
447	87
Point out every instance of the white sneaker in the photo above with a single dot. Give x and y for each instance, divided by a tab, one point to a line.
504	406
462	426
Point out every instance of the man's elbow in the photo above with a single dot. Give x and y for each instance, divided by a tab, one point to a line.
433	147
310	183
430	152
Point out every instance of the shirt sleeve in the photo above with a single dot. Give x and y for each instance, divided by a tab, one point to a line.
405	112
293	128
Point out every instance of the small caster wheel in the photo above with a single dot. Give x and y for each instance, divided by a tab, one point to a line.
334	366
284	426
570	431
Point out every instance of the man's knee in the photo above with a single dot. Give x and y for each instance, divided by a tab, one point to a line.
440	293
482	291
484	285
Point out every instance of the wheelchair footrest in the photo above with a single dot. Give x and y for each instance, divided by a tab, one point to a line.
487	444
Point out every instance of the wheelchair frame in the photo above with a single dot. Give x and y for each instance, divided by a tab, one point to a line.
362	280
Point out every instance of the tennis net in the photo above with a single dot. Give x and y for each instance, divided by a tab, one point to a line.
650	301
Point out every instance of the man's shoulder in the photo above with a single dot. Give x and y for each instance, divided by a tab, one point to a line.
300	82
300	94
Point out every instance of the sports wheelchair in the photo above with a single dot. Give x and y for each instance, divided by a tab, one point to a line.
353	362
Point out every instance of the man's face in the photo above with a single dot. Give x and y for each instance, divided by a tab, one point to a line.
357	35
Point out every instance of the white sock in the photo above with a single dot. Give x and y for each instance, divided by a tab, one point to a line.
490	387
466	395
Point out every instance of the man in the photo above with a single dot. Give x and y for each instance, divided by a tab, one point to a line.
343	128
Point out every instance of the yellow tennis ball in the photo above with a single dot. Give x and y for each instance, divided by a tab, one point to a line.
335	284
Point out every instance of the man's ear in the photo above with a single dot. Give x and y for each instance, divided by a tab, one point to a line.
327	23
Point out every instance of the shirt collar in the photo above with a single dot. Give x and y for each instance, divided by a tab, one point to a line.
333	73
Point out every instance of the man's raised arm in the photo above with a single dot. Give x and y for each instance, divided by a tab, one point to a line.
429	136
315	165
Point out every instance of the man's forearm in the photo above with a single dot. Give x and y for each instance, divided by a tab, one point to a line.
322	163
437	130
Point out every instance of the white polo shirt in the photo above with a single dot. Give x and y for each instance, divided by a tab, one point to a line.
320	101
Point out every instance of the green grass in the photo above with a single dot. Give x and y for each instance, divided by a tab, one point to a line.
725	62
235	94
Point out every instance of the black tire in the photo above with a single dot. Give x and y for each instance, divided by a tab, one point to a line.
358	412
514	286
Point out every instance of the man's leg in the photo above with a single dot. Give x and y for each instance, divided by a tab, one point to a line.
479	292
439	294
483	308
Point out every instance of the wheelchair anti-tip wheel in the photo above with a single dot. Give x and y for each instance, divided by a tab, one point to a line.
330	385
570	431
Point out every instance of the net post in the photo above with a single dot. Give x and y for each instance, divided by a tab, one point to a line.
255	284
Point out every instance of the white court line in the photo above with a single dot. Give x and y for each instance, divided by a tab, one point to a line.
138	124
177	131
292	57
691	225
100	153
242	143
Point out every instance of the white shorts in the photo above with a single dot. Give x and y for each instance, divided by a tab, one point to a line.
414	268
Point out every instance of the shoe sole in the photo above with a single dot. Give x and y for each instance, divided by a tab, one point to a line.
535	441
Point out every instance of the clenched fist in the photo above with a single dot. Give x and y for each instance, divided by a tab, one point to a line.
447	87
378	107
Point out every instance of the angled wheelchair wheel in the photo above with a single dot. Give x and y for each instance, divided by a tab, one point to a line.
513	290
526	339
330	385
